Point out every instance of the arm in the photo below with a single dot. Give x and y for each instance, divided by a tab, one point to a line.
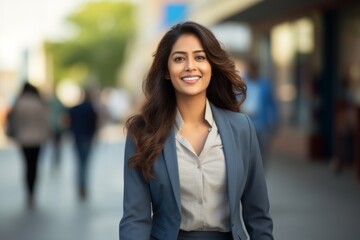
255	198
136	220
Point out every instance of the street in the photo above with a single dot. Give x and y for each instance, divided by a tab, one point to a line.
307	200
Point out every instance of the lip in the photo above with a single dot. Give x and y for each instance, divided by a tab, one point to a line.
191	78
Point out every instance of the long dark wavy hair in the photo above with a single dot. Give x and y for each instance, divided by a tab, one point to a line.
152	125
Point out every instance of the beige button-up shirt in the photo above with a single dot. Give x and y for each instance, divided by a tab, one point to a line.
204	199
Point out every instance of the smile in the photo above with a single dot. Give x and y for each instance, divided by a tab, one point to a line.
190	79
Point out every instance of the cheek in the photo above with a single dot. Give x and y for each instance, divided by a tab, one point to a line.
210	68
170	69
207	68
174	71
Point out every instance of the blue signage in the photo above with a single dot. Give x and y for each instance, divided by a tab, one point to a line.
174	13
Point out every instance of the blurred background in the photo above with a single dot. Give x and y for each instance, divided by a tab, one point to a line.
308	51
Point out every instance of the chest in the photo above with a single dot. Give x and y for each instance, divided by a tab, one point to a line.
195	135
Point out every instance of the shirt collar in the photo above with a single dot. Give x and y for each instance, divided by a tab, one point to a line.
208	116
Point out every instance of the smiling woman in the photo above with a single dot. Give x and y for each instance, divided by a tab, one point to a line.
189	69
191	159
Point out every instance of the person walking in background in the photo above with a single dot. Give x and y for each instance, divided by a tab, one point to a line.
191	159
83	125
261	106
30	129
58	125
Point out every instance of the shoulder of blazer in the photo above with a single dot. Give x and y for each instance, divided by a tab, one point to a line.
238	121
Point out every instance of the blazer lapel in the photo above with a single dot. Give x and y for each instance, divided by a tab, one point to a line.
172	166
227	138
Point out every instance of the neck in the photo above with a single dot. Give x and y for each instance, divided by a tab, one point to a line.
192	109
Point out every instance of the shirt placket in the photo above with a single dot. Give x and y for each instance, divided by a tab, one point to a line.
200	200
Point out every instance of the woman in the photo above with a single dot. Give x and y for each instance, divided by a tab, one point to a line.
191	159
29	117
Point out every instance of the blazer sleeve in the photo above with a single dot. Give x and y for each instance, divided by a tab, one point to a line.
135	223
255	197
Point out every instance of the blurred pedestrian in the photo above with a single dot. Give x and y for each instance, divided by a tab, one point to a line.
30	129
58	116
345	121
83	126
191	159
261	106
345	137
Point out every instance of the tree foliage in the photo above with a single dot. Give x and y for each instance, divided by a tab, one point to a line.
101	32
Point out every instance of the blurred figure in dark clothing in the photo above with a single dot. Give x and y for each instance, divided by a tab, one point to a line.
57	124
29	120
345	126
345	120
83	125
261	106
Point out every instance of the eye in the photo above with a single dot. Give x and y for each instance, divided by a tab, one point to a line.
179	59
200	58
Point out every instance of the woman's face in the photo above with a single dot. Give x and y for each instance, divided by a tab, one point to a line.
188	66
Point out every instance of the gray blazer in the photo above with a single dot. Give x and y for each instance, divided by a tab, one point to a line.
152	208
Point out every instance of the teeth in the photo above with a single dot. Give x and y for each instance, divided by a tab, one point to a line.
190	78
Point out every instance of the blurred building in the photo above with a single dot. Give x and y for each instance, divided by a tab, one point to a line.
311	49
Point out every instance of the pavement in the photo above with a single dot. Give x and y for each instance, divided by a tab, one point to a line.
307	200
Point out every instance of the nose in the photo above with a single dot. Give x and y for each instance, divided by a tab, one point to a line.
190	65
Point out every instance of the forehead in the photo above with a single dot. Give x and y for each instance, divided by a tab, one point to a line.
187	42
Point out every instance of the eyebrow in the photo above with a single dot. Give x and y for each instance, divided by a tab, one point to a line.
182	52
